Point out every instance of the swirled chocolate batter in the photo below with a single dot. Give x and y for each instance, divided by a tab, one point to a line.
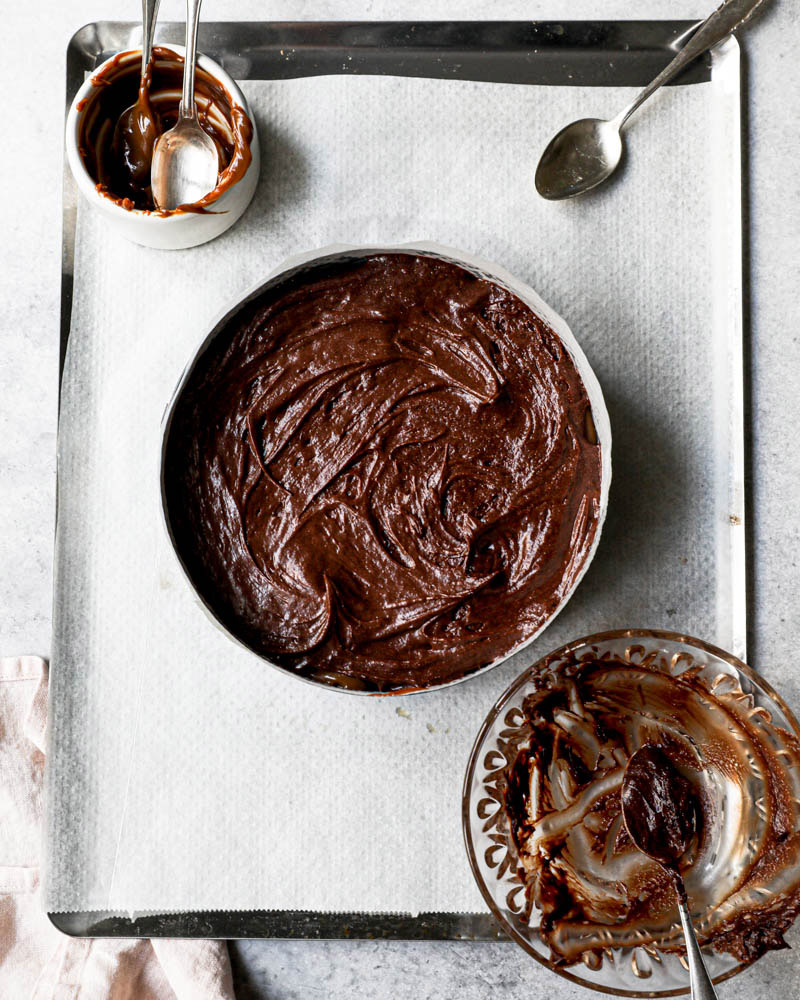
732	808
384	474
117	151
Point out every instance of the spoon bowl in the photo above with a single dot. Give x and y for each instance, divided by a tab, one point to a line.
185	164
135	136
659	806
578	158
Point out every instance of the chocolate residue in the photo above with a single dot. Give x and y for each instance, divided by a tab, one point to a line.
660	806
660	809
378	474
738	854
132	146
119	159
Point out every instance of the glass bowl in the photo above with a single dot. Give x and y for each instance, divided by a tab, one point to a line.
628	972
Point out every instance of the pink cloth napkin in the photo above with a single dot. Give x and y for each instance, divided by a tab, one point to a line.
36	960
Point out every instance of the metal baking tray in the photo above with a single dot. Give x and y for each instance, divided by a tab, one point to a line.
577	53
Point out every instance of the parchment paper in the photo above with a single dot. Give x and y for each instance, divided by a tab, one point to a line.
184	773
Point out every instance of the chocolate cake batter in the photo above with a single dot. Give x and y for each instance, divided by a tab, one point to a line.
118	159
385	474
731	826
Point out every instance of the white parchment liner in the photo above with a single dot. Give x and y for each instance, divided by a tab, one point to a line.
183	772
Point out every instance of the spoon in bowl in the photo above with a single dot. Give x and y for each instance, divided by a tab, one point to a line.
138	126
185	160
661	814
587	152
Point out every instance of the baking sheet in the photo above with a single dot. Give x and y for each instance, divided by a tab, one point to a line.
184	774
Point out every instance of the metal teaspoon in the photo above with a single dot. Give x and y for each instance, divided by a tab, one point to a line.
587	152
662	826
185	160
138	126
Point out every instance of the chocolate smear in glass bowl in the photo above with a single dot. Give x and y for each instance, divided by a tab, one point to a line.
737	828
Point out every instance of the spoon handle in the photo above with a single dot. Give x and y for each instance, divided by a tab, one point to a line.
188	108
702	987
149	14
729	16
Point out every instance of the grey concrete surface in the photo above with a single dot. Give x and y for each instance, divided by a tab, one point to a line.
32	75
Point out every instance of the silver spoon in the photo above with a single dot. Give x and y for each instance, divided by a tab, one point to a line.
137	127
185	161
659	812
587	152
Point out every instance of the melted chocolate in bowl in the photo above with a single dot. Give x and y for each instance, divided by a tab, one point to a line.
121	169
383	474
582	722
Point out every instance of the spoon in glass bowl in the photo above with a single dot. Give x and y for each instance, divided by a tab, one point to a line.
661	812
138	126
587	152
185	160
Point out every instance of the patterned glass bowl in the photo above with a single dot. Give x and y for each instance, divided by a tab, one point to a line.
627	972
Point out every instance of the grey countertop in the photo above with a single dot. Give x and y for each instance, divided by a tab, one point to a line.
30	267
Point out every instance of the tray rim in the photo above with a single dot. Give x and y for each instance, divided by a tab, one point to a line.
306	924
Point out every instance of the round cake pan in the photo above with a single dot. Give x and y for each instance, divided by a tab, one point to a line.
296	265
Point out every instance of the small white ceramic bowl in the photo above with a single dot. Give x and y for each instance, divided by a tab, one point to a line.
182	229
